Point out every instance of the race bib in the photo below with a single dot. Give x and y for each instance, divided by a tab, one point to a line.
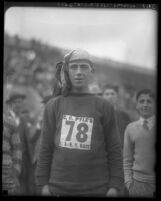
76	132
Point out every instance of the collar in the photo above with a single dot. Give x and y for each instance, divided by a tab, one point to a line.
150	120
13	115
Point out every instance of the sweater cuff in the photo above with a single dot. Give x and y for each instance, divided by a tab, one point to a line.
117	182
41	181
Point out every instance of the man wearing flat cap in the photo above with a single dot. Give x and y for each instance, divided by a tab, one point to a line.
16	104
15	96
12	153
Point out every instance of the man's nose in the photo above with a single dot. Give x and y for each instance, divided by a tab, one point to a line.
145	103
109	96
79	71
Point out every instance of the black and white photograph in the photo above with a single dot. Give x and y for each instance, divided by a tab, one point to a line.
79	101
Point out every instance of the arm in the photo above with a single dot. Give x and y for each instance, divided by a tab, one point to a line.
46	147
128	153
114	151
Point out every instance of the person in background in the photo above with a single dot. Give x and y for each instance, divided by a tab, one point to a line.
111	93
37	136
80	151
12	153
34	126
139	148
16	105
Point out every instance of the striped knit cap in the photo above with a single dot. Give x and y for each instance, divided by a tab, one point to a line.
62	74
78	55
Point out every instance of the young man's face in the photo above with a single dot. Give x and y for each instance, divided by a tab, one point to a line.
79	74
111	95
145	106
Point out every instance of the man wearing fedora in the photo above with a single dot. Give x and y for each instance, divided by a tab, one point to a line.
16	104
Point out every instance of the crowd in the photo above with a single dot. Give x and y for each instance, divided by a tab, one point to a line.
82	143
32	64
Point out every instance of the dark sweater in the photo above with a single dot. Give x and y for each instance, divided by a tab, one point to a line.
122	119
80	152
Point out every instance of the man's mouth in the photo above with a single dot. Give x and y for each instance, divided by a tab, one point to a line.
145	109
79	79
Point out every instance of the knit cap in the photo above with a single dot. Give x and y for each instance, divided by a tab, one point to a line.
63	84
78	55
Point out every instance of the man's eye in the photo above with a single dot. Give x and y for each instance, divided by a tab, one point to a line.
141	101
149	101
74	66
84	66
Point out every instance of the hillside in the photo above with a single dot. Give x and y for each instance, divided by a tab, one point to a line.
129	76
32	64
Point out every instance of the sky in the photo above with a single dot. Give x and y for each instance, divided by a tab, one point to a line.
124	35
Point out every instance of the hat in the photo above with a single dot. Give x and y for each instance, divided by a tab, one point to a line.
77	55
15	96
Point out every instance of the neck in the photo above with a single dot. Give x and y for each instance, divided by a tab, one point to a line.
80	90
151	117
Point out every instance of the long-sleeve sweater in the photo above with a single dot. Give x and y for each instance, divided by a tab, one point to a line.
80	148
27	179
122	119
139	153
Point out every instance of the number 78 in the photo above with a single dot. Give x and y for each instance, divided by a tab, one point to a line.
82	129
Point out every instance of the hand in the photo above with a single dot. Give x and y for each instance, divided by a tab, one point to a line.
45	190
112	192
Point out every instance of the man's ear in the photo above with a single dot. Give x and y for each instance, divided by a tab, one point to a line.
136	107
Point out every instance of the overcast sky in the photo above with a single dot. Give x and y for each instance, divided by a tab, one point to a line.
126	35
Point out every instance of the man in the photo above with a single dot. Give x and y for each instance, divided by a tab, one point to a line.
12	154
80	152
111	93
36	140
16	105
139	148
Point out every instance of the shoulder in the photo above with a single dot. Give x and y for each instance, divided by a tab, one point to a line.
103	106
102	102
123	113
132	125
53	101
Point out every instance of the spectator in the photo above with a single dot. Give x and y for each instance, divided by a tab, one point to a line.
111	93
15	102
12	153
139	148
37	136
80	153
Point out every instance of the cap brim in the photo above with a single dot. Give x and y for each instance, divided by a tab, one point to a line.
14	97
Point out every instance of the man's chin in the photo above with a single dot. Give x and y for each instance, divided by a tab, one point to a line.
79	86
146	116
